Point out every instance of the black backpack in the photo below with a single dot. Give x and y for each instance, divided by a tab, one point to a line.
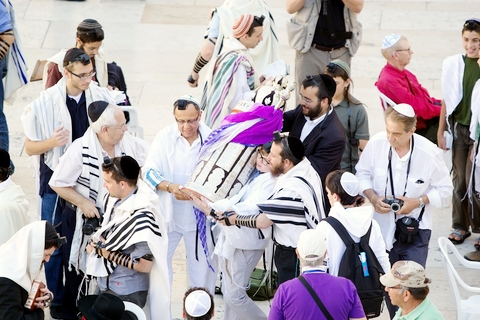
369	288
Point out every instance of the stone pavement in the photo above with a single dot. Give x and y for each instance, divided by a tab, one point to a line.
156	42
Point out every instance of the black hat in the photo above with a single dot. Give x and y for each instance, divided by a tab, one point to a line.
95	109
4	159
104	306
74	55
330	84
296	147
130	167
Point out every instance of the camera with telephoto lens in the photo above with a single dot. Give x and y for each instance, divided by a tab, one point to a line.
92	224
394	203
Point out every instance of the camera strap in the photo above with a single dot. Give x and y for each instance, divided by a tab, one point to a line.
391	174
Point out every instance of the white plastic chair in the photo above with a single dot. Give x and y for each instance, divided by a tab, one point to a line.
133	123
469	308
134	309
385	101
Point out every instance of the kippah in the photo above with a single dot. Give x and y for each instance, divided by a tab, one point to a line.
405	109
95	109
50	232
330	84
197	303
242	25
72	54
296	147
342	64
390	40
4	159
350	184
130	167
190	98
89	24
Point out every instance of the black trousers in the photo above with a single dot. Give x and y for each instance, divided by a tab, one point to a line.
286	262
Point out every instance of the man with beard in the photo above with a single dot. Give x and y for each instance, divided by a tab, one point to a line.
296	204
317	125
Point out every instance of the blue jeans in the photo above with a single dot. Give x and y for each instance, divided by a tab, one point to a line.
54	267
3	119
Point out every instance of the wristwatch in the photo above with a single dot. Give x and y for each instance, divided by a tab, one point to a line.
422	204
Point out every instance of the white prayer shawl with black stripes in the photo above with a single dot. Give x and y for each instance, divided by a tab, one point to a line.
295	206
452	79
136	220
90	184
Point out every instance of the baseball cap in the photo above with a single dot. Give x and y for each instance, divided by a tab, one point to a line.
311	245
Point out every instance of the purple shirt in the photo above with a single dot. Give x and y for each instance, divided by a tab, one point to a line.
339	295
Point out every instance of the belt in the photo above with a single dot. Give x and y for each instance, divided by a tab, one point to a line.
70	205
322	48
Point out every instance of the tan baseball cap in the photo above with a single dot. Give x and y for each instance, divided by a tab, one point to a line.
406	274
312	244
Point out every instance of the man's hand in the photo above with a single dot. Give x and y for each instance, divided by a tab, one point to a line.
88	209
59	137
409	204
178	193
193	76
379	205
201	203
45	299
441	141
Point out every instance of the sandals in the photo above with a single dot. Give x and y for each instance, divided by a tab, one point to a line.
462	237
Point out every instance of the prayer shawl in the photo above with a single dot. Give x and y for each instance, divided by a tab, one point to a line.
101	72
474	185
22	255
90	183
16	65
267	51
160	159
452	79
42	116
13	209
224	86
295	205
137	220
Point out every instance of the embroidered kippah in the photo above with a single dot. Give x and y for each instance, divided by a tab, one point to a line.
390	40
95	109
242	25
342	64
89	24
405	109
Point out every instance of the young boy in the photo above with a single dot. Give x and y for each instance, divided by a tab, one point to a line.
459	75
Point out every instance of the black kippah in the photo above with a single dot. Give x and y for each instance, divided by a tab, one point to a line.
296	147
95	109
130	167
50	232
73	54
4	159
330	84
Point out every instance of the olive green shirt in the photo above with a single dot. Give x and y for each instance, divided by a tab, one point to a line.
463	112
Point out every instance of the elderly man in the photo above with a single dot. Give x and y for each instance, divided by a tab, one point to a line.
51	123
297	298
295	205
407	287
78	180
232	78
13	205
400	85
332	32
316	124
169	165
128	254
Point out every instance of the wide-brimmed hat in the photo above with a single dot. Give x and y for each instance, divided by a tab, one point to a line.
406	274
103	307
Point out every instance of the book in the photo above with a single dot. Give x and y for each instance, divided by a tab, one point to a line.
34	294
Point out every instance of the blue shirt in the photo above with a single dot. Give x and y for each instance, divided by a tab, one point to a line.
5	20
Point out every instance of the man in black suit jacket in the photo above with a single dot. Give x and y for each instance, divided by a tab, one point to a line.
315	123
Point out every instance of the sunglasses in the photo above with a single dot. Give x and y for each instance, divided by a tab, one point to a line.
471	24
83	58
108	162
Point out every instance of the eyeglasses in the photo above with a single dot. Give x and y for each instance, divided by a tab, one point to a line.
307	100
264	160
108	162
122	126
471	24
322	86
83	58
188	122
409	50
83	76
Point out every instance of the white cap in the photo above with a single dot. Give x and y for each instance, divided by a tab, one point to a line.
190	98
198	303
311	243
405	109
350	184
390	40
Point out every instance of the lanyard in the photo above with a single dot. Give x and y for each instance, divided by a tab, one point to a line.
391	175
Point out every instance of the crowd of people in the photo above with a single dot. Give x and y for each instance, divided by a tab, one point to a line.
113	209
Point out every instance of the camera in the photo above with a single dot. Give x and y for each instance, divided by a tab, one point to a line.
395	204
92	224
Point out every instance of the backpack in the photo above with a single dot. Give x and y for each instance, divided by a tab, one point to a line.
369	288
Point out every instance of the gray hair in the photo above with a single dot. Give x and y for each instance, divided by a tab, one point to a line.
107	118
387	53
312	264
